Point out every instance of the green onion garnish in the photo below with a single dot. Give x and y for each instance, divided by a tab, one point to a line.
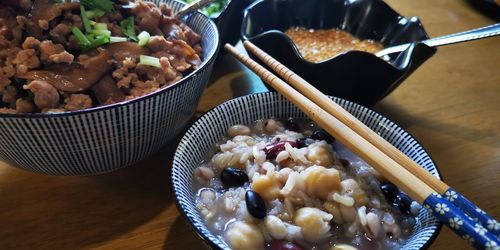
98	41
117	39
101	26
94	13
106	33
143	38
149	60
128	28
103	5
85	19
82	39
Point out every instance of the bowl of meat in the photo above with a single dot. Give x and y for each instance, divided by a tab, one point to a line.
92	86
264	176
331	43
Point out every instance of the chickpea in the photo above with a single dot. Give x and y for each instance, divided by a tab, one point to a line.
351	188
204	174
320	181
238	130
275	227
320	155
267	186
271	126
314	223
244	236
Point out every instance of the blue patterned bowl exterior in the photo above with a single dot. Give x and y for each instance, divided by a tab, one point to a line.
198	142
103	139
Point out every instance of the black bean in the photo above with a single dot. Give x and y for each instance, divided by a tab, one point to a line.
403	201
301	142
322	135
255	204
344	162
292	125
390	191
232	177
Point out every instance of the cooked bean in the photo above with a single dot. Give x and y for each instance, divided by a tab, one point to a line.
238	130
232	177
255	204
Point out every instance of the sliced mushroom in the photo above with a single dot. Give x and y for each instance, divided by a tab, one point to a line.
74	78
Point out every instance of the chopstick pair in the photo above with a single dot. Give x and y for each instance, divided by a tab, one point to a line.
466	219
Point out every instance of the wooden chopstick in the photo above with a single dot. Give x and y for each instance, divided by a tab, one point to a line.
413	186
360	128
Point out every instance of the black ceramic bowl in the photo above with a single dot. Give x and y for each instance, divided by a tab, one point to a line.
229	21
354	75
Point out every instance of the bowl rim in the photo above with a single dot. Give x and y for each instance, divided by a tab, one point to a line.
295	48
205	63
211	244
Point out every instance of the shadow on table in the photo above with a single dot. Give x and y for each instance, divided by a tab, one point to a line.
41	210
486	7
182	236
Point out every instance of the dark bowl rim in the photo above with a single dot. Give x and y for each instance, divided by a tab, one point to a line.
186	78
208	242
296	49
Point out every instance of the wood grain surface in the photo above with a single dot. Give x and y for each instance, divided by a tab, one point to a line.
451	104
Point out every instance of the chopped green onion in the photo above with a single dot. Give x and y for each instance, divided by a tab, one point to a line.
85	19
101	26
149	60
106	33
94	13
82	39
117	39
98	41
103	5
128	27
143	38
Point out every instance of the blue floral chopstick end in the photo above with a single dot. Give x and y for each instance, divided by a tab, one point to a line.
473	211
462	224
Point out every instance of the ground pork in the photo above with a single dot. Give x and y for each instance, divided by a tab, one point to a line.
24	105
31	43
60	32
46	96
54	53
77	102
26	59
9	95
148	16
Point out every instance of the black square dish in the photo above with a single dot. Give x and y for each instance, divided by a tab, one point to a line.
354	75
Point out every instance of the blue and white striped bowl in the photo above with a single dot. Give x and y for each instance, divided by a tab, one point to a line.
198	142
103	139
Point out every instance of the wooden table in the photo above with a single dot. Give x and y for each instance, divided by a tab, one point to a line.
451	105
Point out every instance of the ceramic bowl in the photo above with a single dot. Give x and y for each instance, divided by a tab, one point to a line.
103	139
354	75
229	21
197	144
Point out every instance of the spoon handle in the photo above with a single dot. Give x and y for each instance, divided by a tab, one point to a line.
479	33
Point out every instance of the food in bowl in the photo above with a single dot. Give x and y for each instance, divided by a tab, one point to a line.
286	184
317	45
58	56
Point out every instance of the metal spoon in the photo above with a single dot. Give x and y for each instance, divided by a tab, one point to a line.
479	33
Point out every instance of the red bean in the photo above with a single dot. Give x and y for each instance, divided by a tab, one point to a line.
272	150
